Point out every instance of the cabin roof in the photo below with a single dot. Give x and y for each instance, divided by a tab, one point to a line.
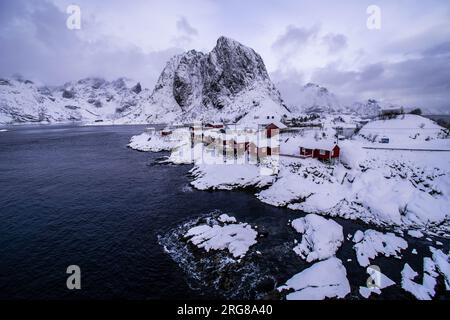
279	124
319	145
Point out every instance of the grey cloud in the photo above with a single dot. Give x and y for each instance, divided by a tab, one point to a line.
423	82
295	37
185	27
289	84
335	42
187	32
440	49
39	46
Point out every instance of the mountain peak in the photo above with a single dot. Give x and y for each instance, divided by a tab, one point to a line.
222	40
206	86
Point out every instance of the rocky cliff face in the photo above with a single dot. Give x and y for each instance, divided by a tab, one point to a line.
228	83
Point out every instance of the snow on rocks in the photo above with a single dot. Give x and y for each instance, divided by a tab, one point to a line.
324	279
229	176
442	264
321	238
370	243
424	291
378	282
226	218
432	267
150	142
237	238
414	193
415	233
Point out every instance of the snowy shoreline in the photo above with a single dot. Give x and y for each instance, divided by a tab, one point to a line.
413	192
392	192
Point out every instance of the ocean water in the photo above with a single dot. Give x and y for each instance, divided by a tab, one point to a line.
74	195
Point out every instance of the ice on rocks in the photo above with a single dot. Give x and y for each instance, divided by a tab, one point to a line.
324	279
371	243
321	237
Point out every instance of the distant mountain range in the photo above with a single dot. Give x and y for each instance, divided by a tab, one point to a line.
230	83
90	99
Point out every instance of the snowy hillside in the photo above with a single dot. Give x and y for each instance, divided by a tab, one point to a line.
89	100
405	131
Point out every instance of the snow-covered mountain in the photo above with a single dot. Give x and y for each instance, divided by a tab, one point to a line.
369	108
230	83
310	98
372	107
90	99
313	98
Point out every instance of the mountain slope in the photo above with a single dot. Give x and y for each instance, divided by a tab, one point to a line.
310	98
90	99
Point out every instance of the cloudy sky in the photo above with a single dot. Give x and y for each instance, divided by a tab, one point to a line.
407	61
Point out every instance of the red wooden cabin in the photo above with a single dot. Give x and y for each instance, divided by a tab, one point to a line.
320	150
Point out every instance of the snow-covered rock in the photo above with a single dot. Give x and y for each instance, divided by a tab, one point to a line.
442	263
321	237
370	243
226	218
379	282
426	290
150	142
228	176
324	279
415	233
237	238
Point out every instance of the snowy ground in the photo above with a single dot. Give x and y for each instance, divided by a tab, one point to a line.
413	187
407	131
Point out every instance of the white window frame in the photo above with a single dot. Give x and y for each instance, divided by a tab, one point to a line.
322	152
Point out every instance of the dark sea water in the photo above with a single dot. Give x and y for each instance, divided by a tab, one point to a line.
78	195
